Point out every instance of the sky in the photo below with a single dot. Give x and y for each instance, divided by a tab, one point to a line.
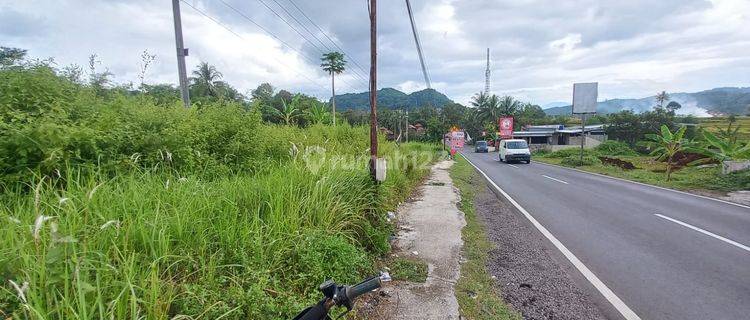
538	49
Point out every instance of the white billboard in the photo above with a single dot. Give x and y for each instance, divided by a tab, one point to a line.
584	97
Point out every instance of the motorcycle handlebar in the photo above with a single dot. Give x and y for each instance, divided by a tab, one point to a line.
363	287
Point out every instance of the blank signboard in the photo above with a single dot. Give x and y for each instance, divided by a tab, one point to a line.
584	97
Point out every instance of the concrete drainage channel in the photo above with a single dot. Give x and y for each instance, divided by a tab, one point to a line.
430	230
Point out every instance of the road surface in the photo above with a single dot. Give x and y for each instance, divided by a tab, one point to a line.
664	254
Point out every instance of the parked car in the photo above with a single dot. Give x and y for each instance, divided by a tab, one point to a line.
514	150
481	146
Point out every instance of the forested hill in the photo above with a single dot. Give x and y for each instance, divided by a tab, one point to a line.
392	99
714	101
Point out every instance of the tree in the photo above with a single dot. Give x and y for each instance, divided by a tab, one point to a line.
452	114
509	106
205	80
673	106
263	93
666	144
489	111
662	97
333	63
11	56
479	100
624	126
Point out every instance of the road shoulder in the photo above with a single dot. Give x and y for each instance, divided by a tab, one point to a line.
528	276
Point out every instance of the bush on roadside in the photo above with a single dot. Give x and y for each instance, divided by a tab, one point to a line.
575	161
615	148
564	153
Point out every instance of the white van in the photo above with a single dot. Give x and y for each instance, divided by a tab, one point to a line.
514	150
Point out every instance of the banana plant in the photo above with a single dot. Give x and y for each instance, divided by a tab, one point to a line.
725	149
319	113
289	111
666	145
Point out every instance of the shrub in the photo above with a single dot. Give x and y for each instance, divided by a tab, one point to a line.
615	148
564	153
575	161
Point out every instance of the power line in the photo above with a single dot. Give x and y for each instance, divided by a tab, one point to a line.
326	35
295	29
419	45
304	56
315	36
243	38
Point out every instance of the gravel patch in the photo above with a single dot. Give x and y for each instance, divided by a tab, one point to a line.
531	278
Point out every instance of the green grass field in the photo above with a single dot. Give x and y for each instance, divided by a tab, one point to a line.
653	172
716	123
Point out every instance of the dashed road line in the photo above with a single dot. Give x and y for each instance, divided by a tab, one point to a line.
551	178
616	302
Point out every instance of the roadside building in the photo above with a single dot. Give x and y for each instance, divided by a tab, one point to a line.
557	137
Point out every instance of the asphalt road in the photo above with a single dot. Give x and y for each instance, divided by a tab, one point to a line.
666	255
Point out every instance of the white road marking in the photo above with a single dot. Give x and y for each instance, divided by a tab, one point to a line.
513	165
729	241
648	185
551	178
621	307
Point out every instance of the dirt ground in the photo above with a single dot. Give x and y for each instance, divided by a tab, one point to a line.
529	276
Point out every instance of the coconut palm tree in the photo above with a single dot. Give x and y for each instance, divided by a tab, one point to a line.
509	106
333	63
206	78
662	97
479	99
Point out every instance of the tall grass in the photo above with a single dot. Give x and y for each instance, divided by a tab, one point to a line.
118	208
157	245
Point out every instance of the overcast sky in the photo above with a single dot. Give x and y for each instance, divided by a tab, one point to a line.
633	48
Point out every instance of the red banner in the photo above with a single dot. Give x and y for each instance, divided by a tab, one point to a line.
506	127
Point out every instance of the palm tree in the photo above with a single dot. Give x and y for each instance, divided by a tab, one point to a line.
662	97
490	110
207	78
509	106
666	145
478	100
333	63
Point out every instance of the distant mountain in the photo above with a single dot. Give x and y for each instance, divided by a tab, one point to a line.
704	103
392	99
555	104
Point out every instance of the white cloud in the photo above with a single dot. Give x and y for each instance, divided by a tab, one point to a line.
633	48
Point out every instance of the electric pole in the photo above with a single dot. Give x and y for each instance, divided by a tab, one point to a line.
373	88
181	53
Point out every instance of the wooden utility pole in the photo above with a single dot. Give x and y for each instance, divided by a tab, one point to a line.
181	53
373	88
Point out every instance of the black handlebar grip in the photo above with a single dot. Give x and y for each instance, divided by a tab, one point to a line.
363	287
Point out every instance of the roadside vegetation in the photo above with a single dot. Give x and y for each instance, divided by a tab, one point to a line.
477	294
118	202
690	171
